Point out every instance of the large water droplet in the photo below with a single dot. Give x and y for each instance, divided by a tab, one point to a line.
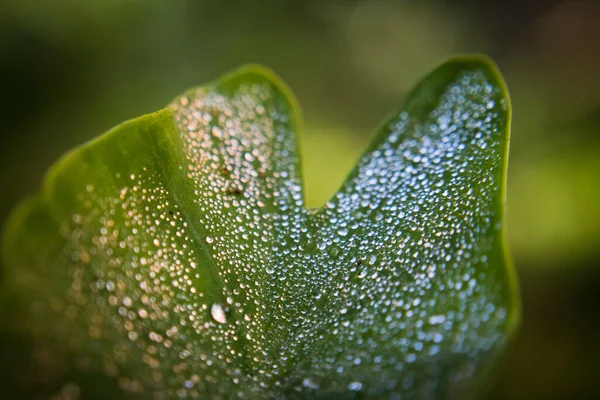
218	313
355	386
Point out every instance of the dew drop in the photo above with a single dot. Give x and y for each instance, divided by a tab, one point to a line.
209	239
308	383
334	251
218	313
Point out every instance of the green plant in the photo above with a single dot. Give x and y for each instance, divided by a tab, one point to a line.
174	253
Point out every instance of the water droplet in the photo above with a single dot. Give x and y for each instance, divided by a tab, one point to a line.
355	386
334	251
209	239
218	313
437	319
308	383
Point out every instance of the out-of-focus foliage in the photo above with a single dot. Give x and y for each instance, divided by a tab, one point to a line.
71	69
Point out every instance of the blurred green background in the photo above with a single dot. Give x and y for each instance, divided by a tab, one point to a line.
71	69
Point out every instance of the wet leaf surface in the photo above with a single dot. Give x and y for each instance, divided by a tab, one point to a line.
175	253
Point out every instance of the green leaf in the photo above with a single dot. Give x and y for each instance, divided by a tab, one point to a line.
175	252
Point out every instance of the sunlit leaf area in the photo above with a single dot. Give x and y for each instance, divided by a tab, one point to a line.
72	70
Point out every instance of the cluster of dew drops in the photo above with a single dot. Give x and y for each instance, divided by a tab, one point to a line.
236	290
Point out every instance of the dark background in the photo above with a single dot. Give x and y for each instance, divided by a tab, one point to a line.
71	69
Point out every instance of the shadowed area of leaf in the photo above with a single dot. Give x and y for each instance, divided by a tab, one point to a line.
175	253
